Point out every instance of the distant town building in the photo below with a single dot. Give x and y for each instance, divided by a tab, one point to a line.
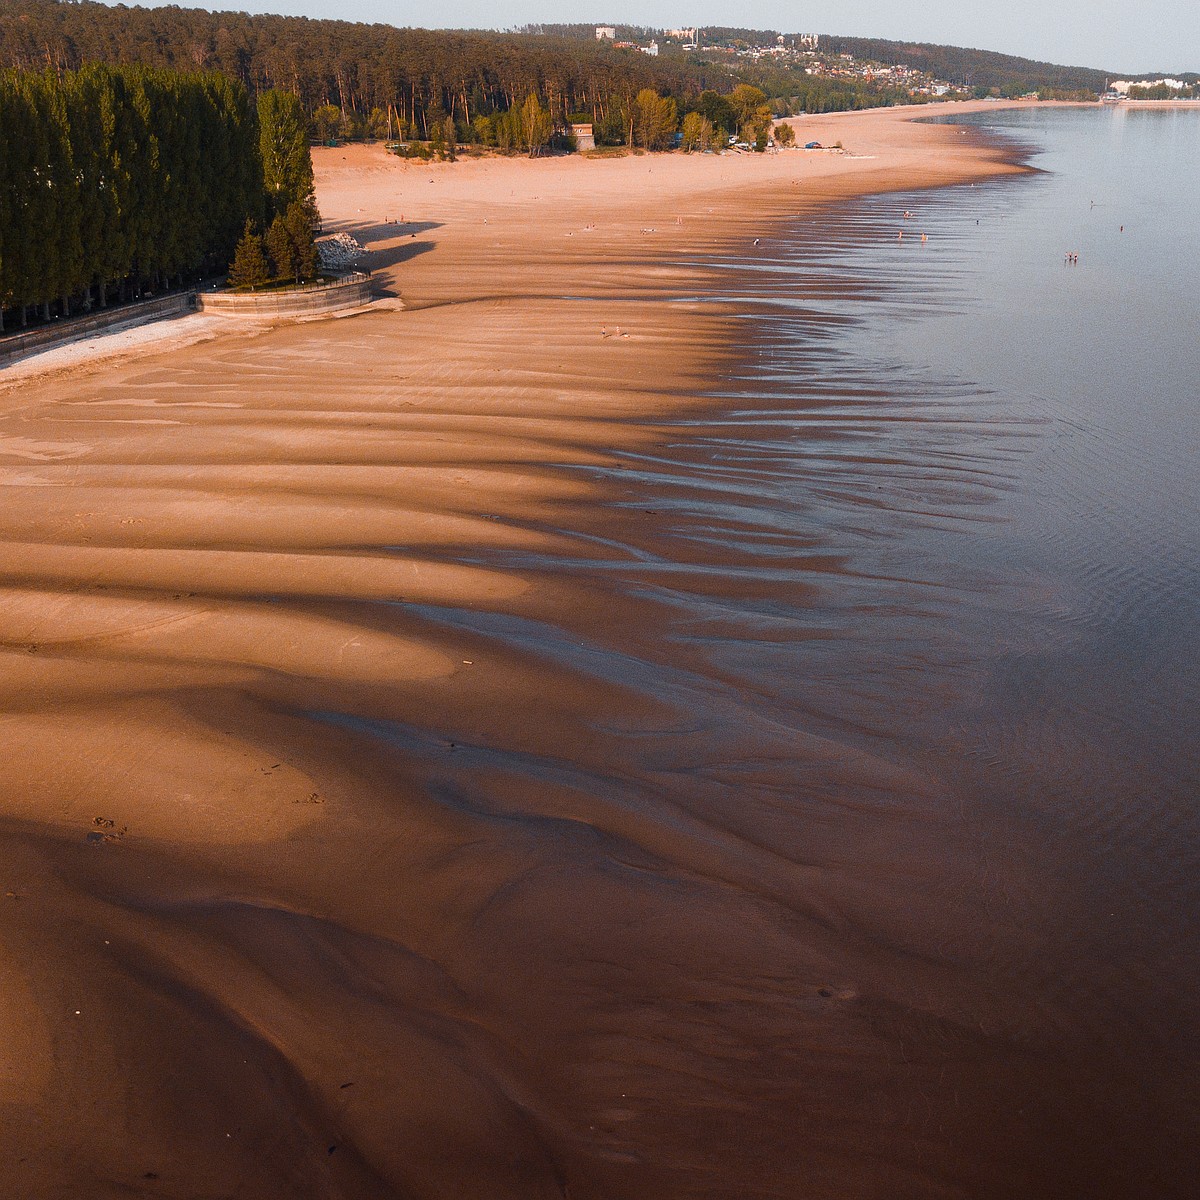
605	31
651	49
1122	86
679	35
584	137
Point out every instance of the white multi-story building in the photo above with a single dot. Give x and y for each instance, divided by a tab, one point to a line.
605	31
651	49
1122	86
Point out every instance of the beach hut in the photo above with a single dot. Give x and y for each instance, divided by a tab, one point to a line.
584	137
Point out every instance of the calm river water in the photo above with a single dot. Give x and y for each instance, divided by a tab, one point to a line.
849	839
934	575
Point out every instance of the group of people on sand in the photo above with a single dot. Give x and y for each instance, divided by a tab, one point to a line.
1072	257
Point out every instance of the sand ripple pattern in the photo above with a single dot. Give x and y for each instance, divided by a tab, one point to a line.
608	785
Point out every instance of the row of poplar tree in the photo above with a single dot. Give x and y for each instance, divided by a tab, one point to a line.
118	179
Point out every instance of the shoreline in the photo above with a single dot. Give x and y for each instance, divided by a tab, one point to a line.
1152	104
688	180
338	836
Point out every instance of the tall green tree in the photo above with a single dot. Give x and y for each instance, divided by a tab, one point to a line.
41	212
508	130
718	110
249	268
327	122
449	139
235	159
290	243
298	222
698	133
89	100
19	192
744	100
535	125
756	127
286	160
66	271
377	124
654	120
280	247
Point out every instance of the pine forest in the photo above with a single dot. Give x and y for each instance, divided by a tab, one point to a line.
115	179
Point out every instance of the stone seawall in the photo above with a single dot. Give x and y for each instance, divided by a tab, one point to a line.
351	292
20	345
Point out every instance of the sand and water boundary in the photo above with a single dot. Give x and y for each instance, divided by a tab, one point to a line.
475	204
290	861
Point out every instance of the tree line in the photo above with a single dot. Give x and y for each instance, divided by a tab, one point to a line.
420	75
358	80
116	179
1161	91
647	121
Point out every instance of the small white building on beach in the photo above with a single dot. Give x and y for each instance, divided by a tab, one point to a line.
584	136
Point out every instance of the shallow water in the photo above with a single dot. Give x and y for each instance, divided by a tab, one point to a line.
928	588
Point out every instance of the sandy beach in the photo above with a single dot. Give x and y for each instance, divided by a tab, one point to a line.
499	210
332	868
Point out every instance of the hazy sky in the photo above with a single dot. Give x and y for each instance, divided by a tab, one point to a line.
1117	35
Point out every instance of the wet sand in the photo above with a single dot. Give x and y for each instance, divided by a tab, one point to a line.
370	826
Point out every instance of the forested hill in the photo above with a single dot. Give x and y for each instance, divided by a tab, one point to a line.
424	73
972	68
956	64
353	66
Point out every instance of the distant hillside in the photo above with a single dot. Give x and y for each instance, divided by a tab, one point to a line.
409	82
422	75
972	68
984	69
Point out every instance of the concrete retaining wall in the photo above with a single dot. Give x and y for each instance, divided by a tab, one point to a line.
20	345
353	291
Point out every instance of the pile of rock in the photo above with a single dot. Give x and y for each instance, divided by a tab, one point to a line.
340	252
